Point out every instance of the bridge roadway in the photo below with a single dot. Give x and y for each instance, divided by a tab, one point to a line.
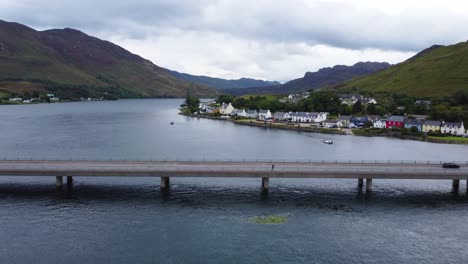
264	170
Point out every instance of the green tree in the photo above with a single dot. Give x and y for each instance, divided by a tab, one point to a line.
357	107
192	103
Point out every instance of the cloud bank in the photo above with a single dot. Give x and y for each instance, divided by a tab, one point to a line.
274	40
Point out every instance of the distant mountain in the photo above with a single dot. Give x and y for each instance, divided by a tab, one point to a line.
316	80
433	73
223	84
72	64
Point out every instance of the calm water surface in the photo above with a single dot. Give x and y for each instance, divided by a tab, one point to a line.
121	220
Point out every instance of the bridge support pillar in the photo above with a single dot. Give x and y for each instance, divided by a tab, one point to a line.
165	183
360	183
265	184
455	186
369	185
69	180
59	181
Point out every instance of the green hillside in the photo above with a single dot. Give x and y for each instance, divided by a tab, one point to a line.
72	64
433	73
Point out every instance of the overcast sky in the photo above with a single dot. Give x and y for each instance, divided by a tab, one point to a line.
274	40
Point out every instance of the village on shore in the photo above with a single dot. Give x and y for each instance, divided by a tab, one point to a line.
417	124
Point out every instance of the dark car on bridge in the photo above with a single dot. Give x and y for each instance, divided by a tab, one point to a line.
450	165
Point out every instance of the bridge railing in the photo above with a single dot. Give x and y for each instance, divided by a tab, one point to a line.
233	160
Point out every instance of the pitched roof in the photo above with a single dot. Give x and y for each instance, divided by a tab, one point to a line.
331	121
344	117
453	124
396	118
432	123
414	122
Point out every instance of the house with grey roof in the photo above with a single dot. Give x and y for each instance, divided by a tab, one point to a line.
264	114
395	121
454	128
281	116
239	113
251	114
431	126
410	123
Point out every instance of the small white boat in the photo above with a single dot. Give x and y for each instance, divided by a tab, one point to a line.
328	141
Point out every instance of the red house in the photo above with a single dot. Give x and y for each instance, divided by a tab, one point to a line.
395	121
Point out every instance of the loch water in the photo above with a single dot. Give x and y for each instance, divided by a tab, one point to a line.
213	220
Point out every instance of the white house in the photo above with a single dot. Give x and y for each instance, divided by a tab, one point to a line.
15	99
264	114
226	109
454	128
281	116
251	114
300	117
332	123
305	117
318	116
239	112
379	123
369	101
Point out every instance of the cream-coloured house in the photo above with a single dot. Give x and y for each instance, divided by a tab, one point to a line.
226	109
431	126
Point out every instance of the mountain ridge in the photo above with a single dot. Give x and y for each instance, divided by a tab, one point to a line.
222	84
73	64
316	80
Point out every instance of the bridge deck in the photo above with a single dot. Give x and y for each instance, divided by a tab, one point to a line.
374	170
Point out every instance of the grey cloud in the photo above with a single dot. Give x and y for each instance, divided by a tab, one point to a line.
330	23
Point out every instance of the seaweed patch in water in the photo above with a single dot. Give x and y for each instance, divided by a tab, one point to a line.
270	220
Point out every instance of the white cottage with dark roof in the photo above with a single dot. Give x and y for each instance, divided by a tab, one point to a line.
454	128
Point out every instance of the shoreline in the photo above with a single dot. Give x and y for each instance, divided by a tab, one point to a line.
332	131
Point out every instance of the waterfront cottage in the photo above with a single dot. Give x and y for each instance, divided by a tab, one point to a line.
454	128
345	120
226	109
281	116
359	121
251	114
300	117
380	123
395	121
431	126
332	123
264	114
211	109
239	113
409	123
318	116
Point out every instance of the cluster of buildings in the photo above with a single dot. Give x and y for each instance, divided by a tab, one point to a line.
51	97
351	99
322	119
421	124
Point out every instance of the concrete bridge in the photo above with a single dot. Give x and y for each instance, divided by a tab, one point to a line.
263	170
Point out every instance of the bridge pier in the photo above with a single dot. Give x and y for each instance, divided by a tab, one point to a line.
369	185
265	184
69	180
360	183
165	183
59	181
455	186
